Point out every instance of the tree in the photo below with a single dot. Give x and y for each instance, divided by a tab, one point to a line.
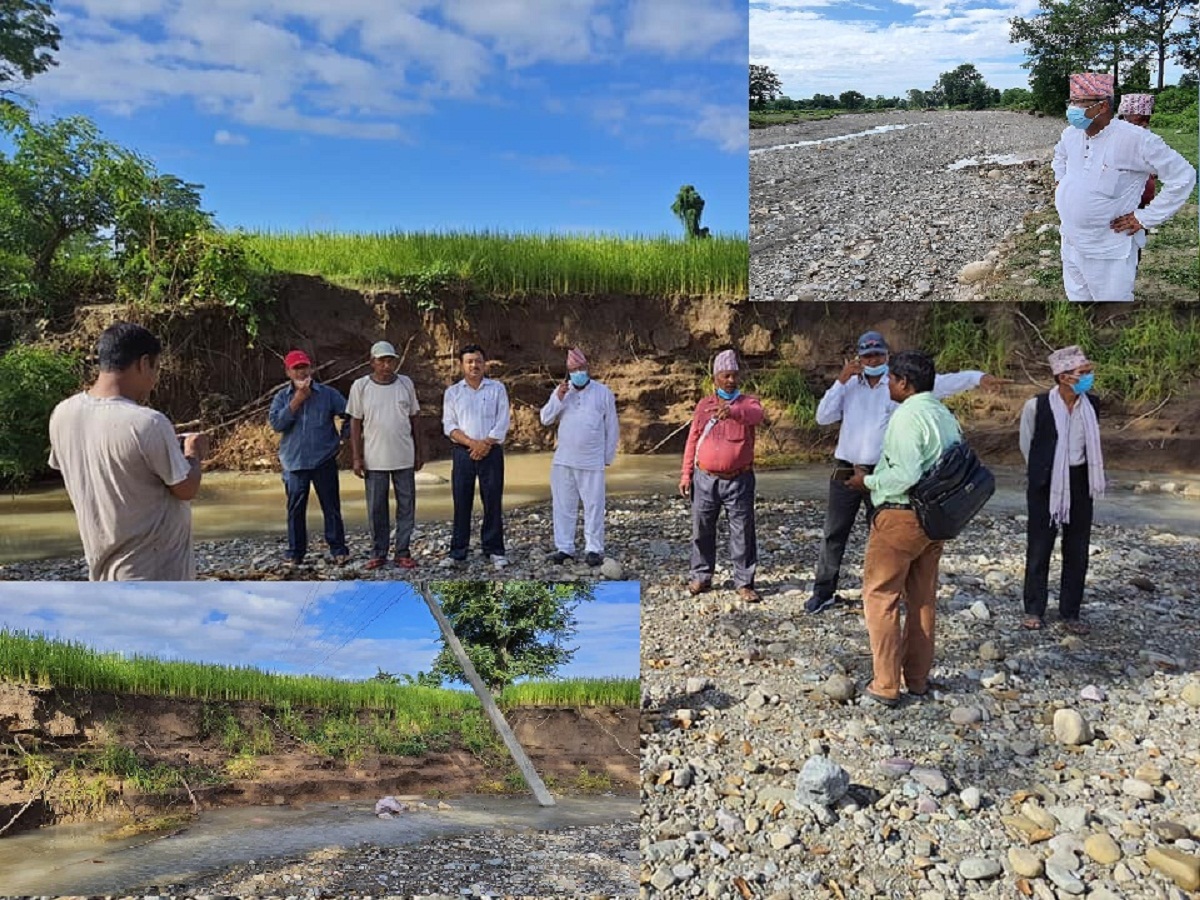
1153	22
509	629
1137	78
916	99
851	100
688	207
1185	44
764	86
1016	98
26	38
964	86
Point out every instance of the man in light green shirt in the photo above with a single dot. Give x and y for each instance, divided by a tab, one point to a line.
902	562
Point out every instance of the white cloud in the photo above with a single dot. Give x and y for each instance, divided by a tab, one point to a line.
685	27
524	33
228	138
725	126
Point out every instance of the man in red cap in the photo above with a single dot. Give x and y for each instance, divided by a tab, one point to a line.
303	413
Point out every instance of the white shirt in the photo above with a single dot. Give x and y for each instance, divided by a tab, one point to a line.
864	412
479	413
1076	440
587	426
1101	178
387	432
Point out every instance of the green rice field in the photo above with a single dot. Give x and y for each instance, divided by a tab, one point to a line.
515	264
45	662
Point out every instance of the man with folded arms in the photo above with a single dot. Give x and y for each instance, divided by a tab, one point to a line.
718	473
129	476
902	562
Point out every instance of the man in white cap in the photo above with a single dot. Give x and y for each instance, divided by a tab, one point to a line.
1101	165
1060	440
1137	109
861	401
718	473
586	413
387	450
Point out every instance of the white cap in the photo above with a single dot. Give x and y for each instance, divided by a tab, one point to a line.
382	348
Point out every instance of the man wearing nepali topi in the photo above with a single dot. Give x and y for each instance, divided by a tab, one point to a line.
1101	164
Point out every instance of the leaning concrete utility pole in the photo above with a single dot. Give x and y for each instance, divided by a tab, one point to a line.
489	705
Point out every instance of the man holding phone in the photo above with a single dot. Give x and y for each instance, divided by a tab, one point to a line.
860	400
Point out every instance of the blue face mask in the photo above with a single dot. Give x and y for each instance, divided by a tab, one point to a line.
875	371
579	379
1084	384
1076	117
728	395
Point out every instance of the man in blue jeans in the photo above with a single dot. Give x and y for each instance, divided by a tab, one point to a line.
475	416
303	414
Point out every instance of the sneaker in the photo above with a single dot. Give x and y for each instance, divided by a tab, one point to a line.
594	559
816	603
559	558
404	561
375	563
499	561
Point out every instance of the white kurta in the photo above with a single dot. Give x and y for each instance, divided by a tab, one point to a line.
587	442
1101	178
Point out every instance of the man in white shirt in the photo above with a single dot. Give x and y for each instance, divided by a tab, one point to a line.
475	416
386	442
129	476
860	400
586	413
1101	165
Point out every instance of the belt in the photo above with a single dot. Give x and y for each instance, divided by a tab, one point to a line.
842	464
725	476
875	511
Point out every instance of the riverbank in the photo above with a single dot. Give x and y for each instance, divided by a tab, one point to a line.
976	792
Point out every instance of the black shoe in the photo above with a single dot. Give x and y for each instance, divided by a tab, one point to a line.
593	559
816	603
559	558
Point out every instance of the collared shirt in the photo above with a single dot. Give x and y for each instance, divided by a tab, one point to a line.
587	426
918	434
309	436
864	412
1076	440
724	445
1101	178
479	413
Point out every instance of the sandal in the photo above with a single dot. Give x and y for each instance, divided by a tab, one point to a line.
1033	623
1074	626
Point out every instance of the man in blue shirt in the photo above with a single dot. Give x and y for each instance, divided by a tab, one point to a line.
303	414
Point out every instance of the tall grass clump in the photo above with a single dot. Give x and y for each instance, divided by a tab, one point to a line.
789	386
960	341
573	692
504	264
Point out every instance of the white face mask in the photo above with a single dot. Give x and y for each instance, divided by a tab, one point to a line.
302	382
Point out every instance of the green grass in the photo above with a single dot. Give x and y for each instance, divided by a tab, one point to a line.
767	118
788	386
964	342
576	692
513	265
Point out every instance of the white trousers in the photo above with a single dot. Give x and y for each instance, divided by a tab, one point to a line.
1098	280
568	486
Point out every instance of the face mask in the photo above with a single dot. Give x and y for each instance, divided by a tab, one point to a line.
1084	384
579	379
301	382
874	371
1076	117
727	395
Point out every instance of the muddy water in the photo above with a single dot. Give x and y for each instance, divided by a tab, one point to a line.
76	859
41	524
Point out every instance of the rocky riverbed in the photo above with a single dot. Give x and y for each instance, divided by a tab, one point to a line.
1042	765
883	216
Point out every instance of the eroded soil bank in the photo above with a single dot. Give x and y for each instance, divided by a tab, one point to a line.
55	745
653	352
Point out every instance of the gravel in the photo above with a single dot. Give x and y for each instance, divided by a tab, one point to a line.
882	216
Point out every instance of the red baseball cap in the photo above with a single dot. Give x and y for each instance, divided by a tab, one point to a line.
297	358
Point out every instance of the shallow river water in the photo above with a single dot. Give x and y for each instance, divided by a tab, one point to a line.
77	859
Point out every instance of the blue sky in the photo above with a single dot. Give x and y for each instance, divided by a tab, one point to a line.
885	47
336	629
546	115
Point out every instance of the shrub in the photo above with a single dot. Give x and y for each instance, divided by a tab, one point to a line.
32	381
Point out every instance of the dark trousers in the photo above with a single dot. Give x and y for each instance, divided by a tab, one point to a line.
736	496
1076	537
489	472
324	478
840	516
403	481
